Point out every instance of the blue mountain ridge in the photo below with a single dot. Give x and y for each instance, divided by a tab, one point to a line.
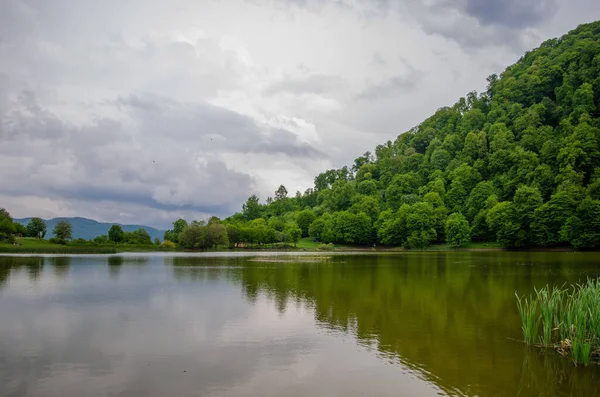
88	228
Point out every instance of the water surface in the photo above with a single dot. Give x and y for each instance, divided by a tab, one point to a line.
417	324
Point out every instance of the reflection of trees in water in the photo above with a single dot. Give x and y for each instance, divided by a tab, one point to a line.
544	374
9	265
61	265
434	312
116	263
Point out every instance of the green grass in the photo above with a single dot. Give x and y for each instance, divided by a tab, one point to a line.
569	320
37	246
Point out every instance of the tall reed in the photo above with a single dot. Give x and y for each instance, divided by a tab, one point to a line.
565	319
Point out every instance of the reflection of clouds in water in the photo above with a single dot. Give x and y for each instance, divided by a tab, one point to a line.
137	334
148	333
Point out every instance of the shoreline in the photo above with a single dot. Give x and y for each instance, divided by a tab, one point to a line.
66	250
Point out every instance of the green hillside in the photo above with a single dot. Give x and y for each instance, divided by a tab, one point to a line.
516	164
88	228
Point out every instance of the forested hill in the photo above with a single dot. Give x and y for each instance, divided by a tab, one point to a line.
89	228
516	164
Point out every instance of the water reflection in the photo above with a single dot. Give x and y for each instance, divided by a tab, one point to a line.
451	316
33	266
61	266
411	324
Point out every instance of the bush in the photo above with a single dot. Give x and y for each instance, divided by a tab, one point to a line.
168	244
326	247
7	238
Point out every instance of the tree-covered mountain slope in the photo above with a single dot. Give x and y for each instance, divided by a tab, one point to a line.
517	164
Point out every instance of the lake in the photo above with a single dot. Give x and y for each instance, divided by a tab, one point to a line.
407	324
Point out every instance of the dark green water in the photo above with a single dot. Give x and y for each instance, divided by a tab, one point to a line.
419	324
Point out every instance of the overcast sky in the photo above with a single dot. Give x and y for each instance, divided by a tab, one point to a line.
143	111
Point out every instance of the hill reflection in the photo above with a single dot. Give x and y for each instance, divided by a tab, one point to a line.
452	317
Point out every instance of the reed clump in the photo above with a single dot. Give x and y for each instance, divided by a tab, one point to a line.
566	319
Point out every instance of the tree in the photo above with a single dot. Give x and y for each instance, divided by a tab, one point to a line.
294	232
36	228
63	231
457	230
304	220
7	227
583	229
4	214
281	193
101	240
251	209
138	237
216	235
116	234
550	218
316	228
501	221
173	234
420	225
193	236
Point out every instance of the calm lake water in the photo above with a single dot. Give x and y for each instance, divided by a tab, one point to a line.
417	324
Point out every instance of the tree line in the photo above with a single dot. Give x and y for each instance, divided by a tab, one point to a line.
217	233
63	232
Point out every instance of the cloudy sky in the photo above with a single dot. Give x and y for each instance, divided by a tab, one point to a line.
142	111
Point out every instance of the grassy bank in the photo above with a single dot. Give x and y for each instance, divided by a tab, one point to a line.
39	246
567	320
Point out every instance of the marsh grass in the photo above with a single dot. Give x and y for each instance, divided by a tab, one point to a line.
565	319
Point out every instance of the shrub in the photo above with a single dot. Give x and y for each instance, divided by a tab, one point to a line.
169	244
325	247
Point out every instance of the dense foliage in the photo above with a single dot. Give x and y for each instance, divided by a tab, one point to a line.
36	228
8	228
63	231
517	164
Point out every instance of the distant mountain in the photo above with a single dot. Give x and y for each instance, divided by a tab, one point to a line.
89	228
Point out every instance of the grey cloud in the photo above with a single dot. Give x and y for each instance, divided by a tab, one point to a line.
471	23
511	13
313	84
99	162
201	123
395	85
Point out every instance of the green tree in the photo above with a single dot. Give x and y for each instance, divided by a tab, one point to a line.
501	221
316	228
63	231
281	193
583	229
36	228
251	208
420	224
138	237
116	234
350	228
550	218
304	220
457	229
216	235
193	236
294	232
